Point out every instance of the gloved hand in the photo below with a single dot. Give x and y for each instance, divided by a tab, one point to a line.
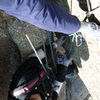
64	72
91	29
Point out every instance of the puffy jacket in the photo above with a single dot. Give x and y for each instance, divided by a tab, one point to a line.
43	14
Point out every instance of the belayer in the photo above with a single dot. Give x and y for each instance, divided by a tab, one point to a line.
30	82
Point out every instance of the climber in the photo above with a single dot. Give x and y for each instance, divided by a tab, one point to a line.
47	15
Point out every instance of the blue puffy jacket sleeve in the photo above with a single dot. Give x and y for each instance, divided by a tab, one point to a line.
43	14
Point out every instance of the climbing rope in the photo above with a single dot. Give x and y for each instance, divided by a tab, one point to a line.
35	52
51	48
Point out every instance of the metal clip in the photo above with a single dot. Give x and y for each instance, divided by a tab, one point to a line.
78	39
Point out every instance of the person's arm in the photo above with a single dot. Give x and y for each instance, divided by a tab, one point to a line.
43	14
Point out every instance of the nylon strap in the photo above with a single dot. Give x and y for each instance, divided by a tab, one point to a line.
52	52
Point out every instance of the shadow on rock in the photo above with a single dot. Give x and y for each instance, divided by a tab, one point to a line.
81	52
9	61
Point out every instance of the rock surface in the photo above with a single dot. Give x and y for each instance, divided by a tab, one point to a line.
14	48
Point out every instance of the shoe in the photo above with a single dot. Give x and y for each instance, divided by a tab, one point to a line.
90	29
